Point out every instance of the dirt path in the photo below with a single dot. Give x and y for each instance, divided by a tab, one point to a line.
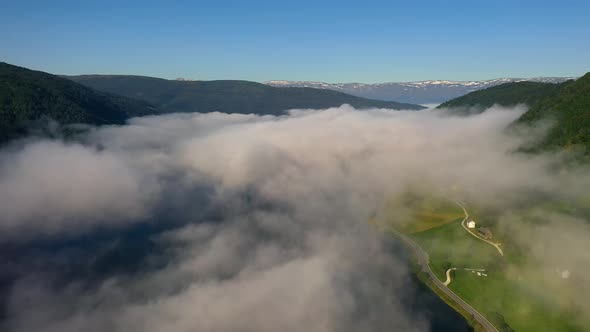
496	245
449	279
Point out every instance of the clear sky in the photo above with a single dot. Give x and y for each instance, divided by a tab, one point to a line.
332	41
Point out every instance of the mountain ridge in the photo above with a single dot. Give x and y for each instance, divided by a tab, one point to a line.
566	105
32	101
507	94
228	96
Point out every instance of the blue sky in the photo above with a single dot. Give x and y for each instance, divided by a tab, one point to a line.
332	41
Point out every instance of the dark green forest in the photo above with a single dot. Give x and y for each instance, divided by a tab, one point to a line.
508	94
566	106
28	97
569	108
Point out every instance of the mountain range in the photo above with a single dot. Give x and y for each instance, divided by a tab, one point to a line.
420	92
28	98
33	101
227	96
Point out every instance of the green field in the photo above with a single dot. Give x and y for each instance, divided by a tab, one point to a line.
513	295
450	244
501	298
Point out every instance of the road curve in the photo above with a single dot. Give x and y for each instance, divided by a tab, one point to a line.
496	245
423	261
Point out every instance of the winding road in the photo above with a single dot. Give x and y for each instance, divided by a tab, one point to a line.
423	261
496	245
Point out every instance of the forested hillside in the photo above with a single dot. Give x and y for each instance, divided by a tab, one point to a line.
508	94
570	109
28	96
566	106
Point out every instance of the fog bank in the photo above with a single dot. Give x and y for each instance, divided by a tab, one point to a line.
288	246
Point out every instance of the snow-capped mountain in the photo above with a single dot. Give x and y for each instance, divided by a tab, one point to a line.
420	92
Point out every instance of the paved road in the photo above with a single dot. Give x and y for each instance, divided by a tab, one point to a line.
423	261
496	245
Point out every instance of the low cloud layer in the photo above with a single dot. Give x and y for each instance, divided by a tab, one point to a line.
273	210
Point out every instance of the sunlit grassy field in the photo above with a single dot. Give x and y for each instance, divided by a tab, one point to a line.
450	244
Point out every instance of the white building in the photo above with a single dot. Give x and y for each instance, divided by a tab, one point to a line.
471	224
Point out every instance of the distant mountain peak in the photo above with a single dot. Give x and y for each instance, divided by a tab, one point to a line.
417	92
